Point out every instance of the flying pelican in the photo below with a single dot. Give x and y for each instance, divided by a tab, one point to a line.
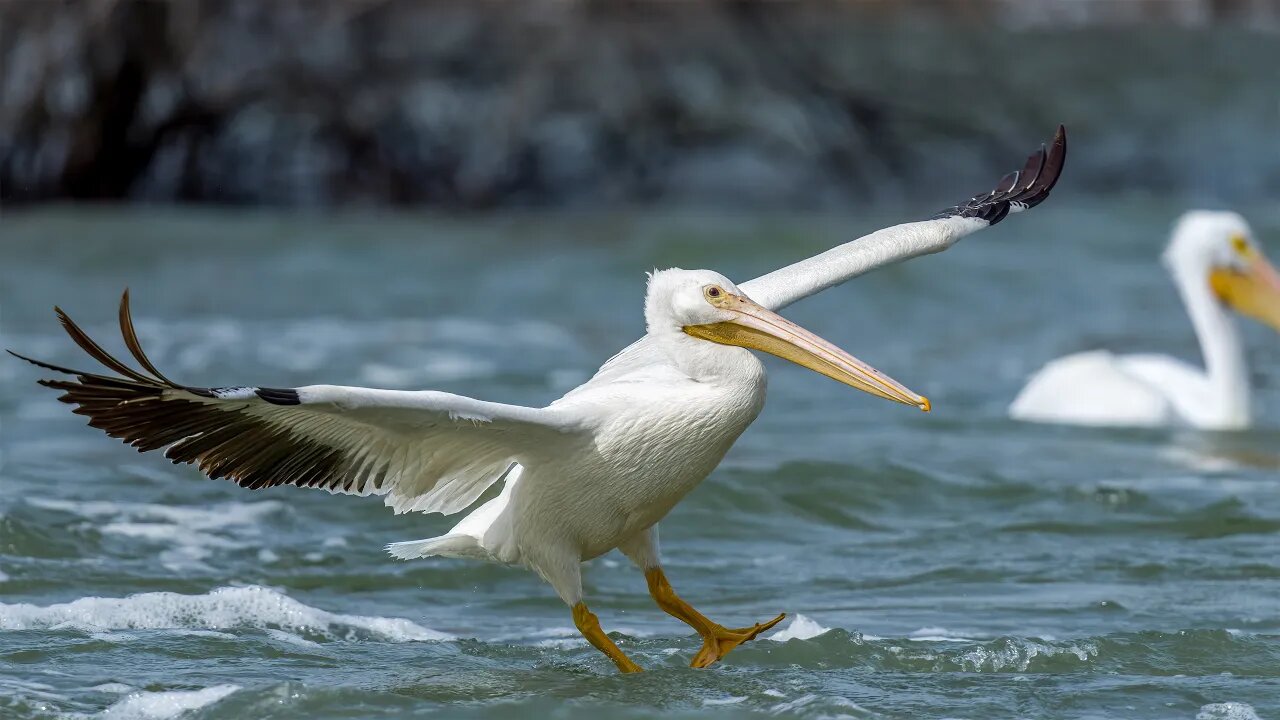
593	471
1217	266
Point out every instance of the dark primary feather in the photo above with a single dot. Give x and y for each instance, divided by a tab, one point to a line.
131	340
150	412
425	450
1019	190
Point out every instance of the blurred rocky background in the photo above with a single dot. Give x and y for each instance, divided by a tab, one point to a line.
587	103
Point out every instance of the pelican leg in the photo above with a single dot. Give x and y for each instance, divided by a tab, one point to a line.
589	625
717	640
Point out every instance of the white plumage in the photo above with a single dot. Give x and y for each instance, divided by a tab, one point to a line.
1217	267
593	471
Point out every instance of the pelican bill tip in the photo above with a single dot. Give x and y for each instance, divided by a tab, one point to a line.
924	404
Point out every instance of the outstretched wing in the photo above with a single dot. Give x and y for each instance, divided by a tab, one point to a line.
1015	192
424	450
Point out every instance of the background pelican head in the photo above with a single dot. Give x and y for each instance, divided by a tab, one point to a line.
705	324
1218	249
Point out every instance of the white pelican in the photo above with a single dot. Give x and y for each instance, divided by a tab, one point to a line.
592	471
1217	266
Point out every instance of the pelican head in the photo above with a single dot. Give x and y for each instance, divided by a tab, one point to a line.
1219	248
706	308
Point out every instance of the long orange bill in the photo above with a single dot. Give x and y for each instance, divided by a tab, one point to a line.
758	328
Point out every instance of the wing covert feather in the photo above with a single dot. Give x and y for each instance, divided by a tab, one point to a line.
1015	192
424	450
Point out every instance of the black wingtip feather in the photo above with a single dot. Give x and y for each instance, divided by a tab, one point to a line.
221	438
279	396
45	365
1019	190
132	380
133	344
95	351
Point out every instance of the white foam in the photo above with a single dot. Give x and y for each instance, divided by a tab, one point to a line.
163	705
801	628
937	634
222	609
831	702
562	636
1227	711
29	689
732	700
290	638
200	518
791	705
1018	655
188	534
1199	460
562	643
556	631
191	632
149	531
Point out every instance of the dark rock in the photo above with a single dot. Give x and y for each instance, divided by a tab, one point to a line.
556	102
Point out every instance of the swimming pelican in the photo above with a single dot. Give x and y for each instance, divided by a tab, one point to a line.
593	471
1217	267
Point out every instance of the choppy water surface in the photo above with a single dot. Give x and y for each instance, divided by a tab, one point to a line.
950	565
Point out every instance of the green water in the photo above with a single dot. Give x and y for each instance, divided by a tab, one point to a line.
951	565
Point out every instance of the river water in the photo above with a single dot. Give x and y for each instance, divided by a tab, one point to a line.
950	565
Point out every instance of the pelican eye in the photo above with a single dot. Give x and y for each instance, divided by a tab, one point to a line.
714	293
1240	244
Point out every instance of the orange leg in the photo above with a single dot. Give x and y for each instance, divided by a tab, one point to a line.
589	625
717	640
